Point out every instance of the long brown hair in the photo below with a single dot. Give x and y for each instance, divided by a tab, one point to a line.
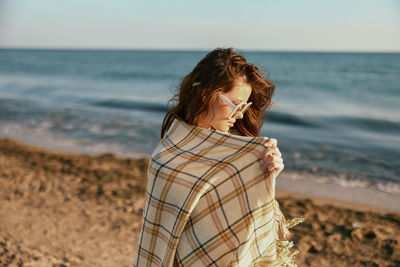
217	72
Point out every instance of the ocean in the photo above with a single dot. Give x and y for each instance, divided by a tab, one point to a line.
335	115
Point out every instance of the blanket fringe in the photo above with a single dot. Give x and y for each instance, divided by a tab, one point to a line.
283	250
284	253
283	247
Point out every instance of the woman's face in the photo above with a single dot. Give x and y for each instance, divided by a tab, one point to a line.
217	115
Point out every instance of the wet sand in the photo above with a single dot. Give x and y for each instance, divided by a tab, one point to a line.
62	209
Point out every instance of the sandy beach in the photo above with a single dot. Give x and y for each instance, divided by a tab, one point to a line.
64	209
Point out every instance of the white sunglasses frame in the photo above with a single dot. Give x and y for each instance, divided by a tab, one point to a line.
233	106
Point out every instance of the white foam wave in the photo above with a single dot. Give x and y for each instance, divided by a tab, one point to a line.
342	180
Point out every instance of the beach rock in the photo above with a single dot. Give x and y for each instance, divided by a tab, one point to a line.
321	217
334	242
370	235
329	228
316	246
388	247
357	234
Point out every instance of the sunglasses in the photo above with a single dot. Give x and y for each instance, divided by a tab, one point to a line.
236	109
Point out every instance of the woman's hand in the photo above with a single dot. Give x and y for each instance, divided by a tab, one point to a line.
272	157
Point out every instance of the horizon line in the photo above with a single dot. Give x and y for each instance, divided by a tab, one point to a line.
194	49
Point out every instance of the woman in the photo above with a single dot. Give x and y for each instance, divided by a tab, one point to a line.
210	196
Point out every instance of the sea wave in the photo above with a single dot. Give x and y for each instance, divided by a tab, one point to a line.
367	124
132	75
363	123
131	104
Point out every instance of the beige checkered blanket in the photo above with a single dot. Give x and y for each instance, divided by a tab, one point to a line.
208	203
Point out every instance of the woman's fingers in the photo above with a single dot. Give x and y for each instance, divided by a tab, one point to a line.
270	151
272	162
272	157
270	154
275	166
271	144
272	141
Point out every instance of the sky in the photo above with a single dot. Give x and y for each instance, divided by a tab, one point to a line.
284	25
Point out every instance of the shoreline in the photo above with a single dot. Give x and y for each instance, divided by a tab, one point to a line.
82	210
288	183
357	198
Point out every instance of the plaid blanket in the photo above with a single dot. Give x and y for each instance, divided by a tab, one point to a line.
208	202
